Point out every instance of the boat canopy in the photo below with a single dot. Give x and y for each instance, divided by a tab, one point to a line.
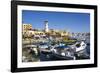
61	47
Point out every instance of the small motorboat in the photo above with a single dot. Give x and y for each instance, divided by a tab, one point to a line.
81	51
62	53
80	46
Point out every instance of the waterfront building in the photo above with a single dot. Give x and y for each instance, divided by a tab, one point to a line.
28	31
34	33
27	27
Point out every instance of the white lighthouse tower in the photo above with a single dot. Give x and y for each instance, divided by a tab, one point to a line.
46	26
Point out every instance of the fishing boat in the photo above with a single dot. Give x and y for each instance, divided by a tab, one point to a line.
62	53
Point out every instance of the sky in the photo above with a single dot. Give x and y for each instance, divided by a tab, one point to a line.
68	21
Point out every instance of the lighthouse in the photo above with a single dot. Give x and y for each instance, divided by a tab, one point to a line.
46	26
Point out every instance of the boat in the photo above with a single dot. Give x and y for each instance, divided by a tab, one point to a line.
81	51
62	53
62	57
44	48
80	46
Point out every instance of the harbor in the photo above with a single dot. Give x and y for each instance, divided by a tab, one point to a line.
55	51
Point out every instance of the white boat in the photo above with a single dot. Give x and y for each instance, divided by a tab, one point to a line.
60	52
81	46
43	45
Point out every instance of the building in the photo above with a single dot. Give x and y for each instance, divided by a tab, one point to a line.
46	26
36	33
27	26
59	32
28	31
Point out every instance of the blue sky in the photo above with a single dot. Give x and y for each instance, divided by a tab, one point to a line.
73	22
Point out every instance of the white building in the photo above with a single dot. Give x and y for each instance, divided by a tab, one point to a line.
46	26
